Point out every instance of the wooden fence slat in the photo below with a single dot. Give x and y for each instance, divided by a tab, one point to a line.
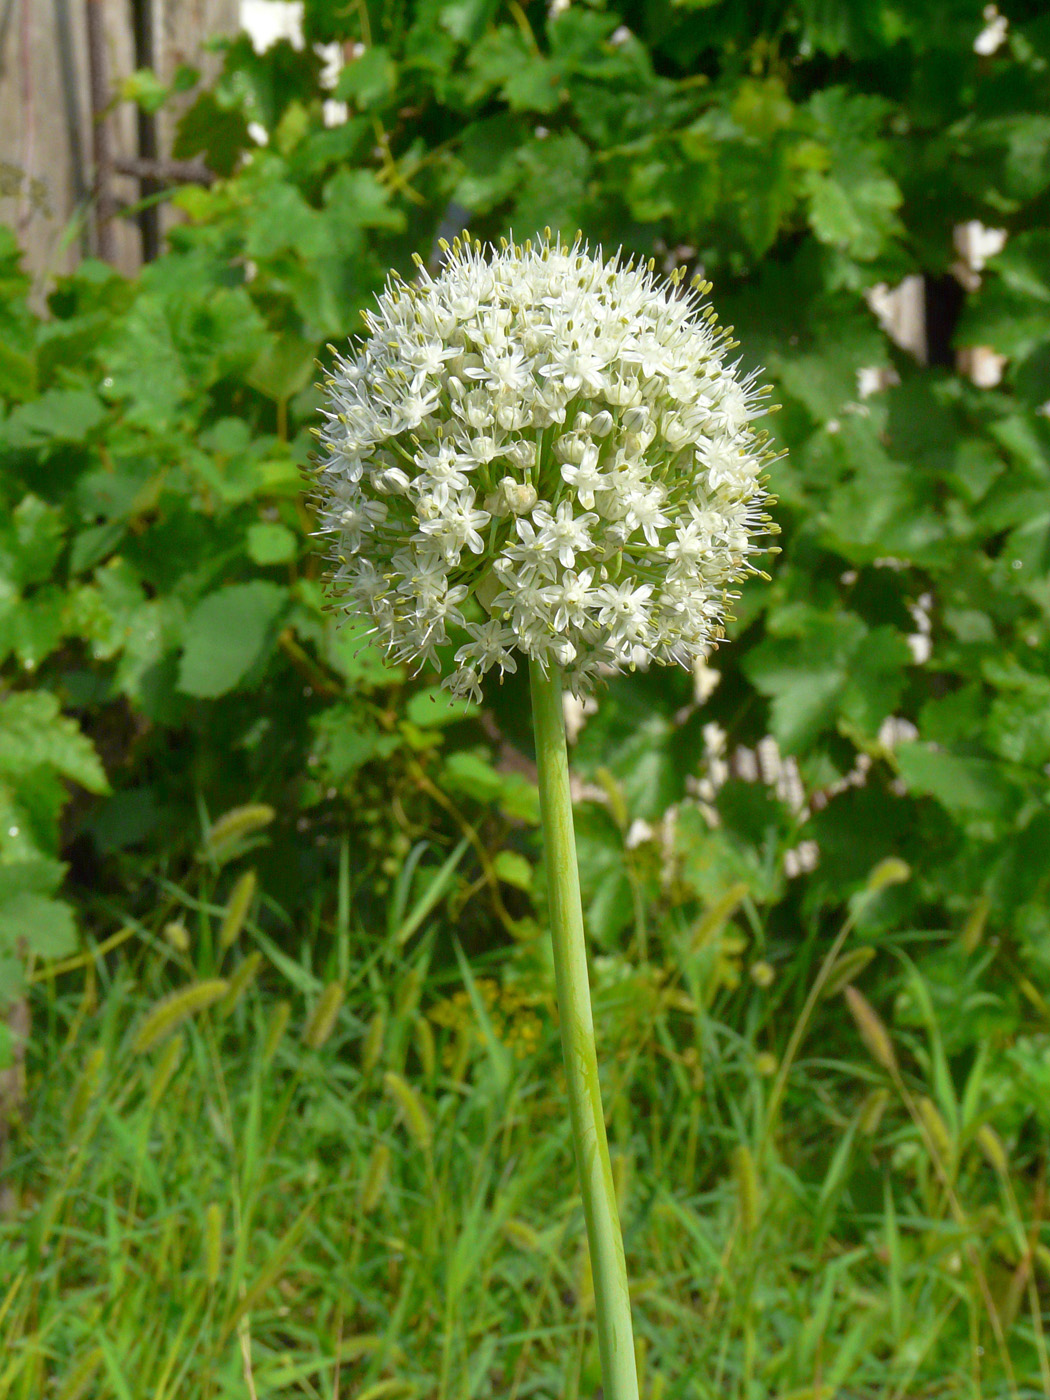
48	148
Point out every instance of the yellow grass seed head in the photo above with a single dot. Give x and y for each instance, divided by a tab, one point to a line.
212	1243
172	1010
278	1025
747	1188
375	1177
847	969
85	1088
229	830
237	906
322	1018
166	1067
412	1111
373	1043
242	978
872	1031
991	1144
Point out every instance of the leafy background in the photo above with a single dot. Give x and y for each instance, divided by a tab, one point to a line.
167	655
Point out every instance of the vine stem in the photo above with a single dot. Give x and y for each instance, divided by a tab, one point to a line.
612	1303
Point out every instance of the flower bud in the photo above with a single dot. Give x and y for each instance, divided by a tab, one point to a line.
601	424
520	496
521	454
571	448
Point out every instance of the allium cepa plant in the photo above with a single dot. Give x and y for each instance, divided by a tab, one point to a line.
547	454
544	452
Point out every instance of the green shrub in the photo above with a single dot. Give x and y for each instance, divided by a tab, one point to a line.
160	587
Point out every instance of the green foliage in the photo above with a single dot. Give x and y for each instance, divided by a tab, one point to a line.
159	587
40	749
325	1143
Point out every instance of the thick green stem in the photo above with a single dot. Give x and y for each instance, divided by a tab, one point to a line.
612	1303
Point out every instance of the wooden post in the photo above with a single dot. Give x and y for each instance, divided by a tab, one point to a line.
146	122
105	205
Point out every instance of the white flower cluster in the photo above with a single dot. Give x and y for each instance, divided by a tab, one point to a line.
547	453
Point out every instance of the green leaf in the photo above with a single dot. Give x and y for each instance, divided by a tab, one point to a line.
537	85
805	674
554	188
354	199
30	542
488	156
227	635
877	676
270	543
497	56
470	772
513	868
1011	312
346	739
852	206
43	927
465	20
434	708
853	211
34	734
144	88
60	415
30	877
962	785
218	133
18	373
281	221
1019	724
34	627
285	366
356	656
368	80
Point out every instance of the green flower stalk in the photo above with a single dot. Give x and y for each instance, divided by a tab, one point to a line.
543	453
612	1303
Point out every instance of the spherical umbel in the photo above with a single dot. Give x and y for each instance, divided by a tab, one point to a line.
541	451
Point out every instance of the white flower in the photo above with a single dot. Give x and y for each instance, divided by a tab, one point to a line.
544	451
455	523
564	533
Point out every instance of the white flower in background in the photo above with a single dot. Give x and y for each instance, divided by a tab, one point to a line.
548	453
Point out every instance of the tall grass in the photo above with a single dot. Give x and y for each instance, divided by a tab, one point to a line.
346	1175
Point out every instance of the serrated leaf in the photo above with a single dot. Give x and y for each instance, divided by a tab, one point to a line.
34	733
227	634
218	133
854	211
60	415
354	199
962	785
282	221
286	365
31	541
488	154
30	877
32	924
368	80
554	186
